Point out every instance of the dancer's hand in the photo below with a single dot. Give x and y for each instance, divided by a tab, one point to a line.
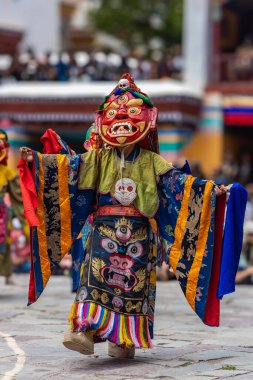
219	190
26	154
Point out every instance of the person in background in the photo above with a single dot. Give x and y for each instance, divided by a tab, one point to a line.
245	169
9	188
20	248
243	60
245	272
229	169
196	169
249	205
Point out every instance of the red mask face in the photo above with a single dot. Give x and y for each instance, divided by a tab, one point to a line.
125	120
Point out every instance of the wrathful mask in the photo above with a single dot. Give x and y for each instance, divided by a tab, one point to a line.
126	116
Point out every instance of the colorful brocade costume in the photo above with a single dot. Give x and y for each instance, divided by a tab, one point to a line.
116	295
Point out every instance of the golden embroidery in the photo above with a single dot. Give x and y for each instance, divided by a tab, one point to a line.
104	298
130	306
138	307
178	273
45	262
95	294
138	235
124	222
190	252
194	210
97	264
179	231
64	203
141	275
205	219
108	232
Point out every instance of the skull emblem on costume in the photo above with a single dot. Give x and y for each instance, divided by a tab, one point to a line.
117	303
125	191
124	83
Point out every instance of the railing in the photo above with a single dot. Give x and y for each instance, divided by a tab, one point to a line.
232	67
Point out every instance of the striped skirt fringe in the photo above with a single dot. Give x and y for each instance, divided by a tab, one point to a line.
123	330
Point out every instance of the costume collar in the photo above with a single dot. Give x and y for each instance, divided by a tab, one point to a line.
132	156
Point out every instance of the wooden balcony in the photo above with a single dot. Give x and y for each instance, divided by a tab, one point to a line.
9	40
232	74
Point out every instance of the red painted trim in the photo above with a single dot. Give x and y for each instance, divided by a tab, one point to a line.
239	120
212	311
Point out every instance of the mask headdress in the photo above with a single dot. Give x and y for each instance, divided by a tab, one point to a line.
127	116
127	84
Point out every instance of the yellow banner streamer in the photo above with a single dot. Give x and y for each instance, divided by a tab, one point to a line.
175	252
205	220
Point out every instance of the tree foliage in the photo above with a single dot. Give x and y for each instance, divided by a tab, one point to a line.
139	22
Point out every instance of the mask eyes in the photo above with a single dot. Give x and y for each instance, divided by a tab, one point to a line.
122	99
123	233
111	113
109	245
134	111
135	250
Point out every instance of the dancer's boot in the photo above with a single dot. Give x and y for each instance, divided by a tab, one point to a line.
79	341
118	352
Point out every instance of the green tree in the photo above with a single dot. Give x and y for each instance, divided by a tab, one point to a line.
141	22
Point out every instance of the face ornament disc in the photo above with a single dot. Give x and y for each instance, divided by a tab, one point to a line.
125	191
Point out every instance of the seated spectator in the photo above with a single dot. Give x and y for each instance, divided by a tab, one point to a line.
243	61
245	169
92	66
229	168
218	176
245	272
249	205
196	169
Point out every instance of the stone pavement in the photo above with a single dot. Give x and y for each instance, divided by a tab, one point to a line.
183	347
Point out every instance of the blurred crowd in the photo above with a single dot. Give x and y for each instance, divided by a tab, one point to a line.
83	66
230	171
239	65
